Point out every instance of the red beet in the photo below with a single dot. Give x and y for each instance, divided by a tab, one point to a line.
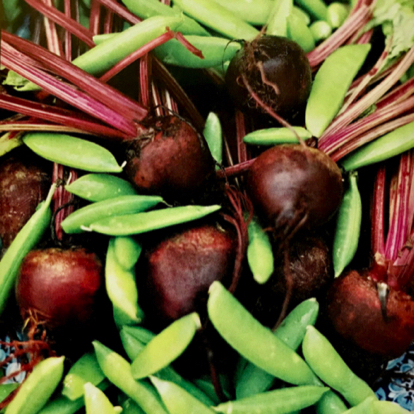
61	290
293	187
170	159
179	270
24	183
277	70
354	309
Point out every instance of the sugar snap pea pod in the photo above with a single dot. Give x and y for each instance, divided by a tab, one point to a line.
280	401
130	407
254	12
72	152
213	133
218	18
348	226
118	371
297	11
62	405
215	50
337	14
97	402
122	290
259	253
6	389
164	348
331	84
152	220
25	240
331	368
389	145
274	136
38	387
388	407
330	403
99	187
320	30
291	331
277	20
118	206
127	251
364	407
298	31
85	369
253	341
134	339
177	400
107	54
150	8
316	8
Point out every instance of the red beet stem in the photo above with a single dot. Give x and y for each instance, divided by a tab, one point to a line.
378	225
120	11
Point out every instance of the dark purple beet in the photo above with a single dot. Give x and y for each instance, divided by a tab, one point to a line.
293	187
170	159
278	72
24	183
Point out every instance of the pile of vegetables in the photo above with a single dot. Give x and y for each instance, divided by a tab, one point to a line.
205	206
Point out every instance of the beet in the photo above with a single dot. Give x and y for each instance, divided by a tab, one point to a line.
62	291
170	159
278	72
293	187
354	309
24	183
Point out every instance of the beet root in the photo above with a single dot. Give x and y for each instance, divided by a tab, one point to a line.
170	159
293	187
62	291
278	72
354	310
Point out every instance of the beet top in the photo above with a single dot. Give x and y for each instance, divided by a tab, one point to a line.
293	187
277	71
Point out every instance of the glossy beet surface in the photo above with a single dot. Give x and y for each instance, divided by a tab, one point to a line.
60	288
354	310
171	159
278	72
294	186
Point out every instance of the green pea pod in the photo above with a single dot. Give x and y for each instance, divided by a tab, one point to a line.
127	251
320	30
107	54
167	346
62	405
330	403
122	290
253	12
72	152
150	8
291	331
364	407
299	32
25	240
134	339
278	401
331	85
328	365
275	136
389	145
277	20
85	369
302	15
316	8
213	133
118	371
118	206
97	402
348	227
7	389
388	407
253	341
337	14
38	387
99	187
259	253
177	400
218	18
152	220
130	407
215	50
